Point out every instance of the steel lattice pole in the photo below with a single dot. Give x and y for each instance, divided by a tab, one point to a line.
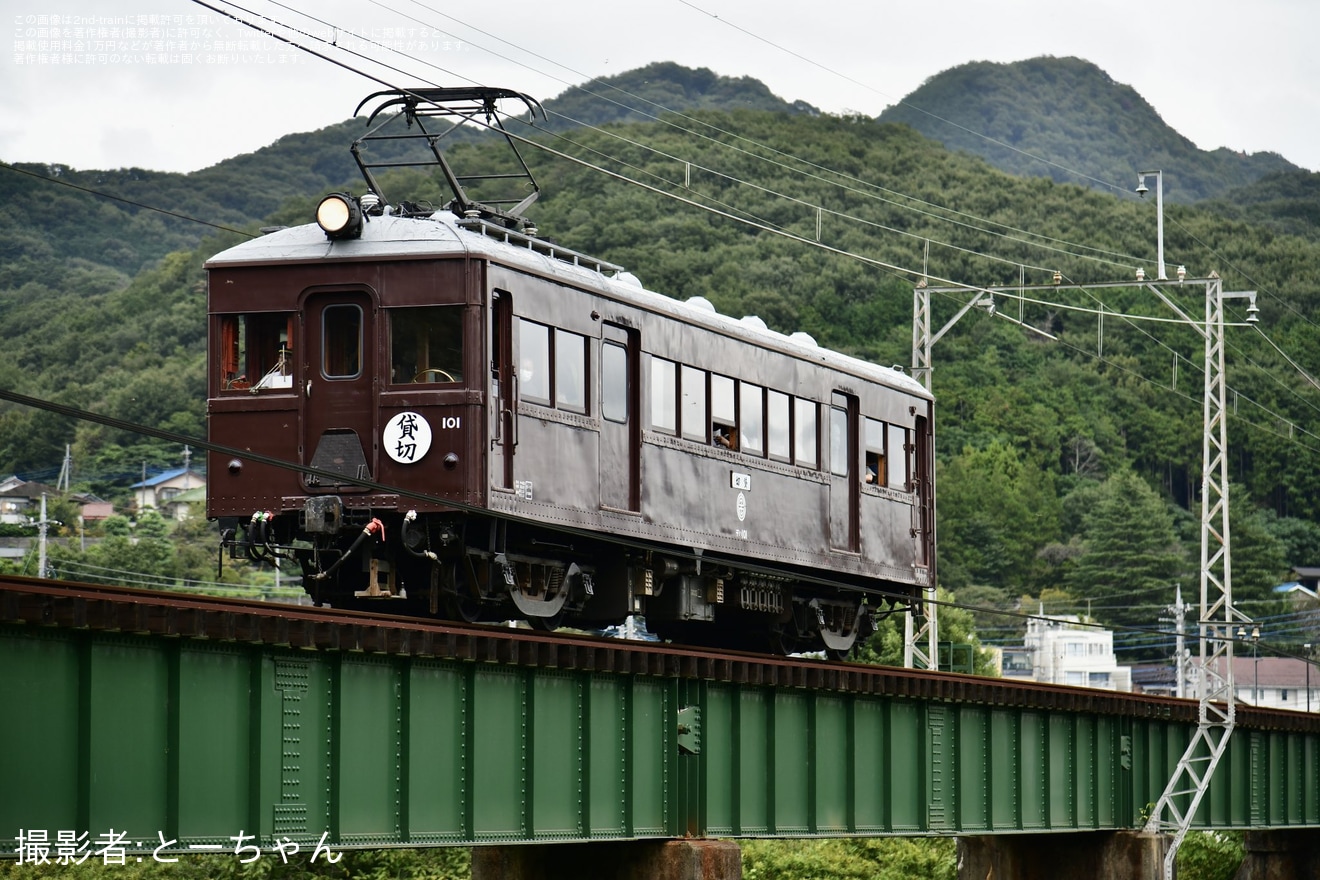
914	630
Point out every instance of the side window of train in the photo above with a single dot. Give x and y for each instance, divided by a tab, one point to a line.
806	415
341	341
777	425
875	453
899	458
751	425
664	396
426	345
256	351
692	411
614	382
840	463
570	377
534	362
723	412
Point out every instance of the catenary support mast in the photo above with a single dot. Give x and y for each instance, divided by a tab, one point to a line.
1177	806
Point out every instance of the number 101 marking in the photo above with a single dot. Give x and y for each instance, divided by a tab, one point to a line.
451	422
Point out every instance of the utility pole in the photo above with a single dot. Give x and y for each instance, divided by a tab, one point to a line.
1179	611
1159	210
41	540
921	641
917	655
42	525
1218	618
1217	702
66	469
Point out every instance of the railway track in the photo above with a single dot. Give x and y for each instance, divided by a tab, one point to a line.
100	608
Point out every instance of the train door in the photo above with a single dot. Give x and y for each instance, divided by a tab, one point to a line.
845	482
620	438
503	391
339	393
923	482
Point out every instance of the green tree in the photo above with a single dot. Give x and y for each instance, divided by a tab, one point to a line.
1259	560
150	524
117	525
1300	537
956	625
1131	556
884	858
994	513
1210	855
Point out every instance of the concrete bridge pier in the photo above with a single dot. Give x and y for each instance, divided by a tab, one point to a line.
610	860
1280	855
1088	855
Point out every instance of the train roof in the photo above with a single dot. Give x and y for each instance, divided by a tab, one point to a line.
388	236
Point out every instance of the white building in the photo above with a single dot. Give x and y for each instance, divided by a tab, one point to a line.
161	489
1060	650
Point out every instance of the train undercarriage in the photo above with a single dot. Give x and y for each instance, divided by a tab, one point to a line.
479	568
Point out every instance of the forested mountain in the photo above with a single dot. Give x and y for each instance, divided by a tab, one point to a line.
1068	468
1287	201
1066	119
43	222
647	92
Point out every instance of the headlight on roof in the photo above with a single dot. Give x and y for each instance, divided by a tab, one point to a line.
339	216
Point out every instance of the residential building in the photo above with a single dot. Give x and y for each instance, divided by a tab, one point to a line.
1062	650
1275	682
156	492
21	502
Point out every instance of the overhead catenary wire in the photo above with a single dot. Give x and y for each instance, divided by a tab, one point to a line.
867	187
808	242
898	269
729	210
373	61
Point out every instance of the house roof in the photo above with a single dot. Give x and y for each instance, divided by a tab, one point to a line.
30	490
1288	672
192	496
165	477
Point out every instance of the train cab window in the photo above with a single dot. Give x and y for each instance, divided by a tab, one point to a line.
614	382
751	424
256	352
341	341
805	433
875	453
570	371
534	362
692	415
426	345
899	451
723	413
777	427
664	396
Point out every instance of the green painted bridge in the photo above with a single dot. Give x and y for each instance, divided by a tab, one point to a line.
190	724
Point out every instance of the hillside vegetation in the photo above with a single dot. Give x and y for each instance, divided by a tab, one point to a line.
1066	119
1068	469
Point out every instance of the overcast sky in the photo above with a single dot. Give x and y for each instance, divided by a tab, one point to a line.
172	85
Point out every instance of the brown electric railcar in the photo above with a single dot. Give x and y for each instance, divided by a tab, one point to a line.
484	425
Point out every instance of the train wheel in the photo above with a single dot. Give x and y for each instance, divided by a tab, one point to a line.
460	603
546	624
784	639
837	654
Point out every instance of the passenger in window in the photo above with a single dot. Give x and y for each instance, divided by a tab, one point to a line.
724	436
875	469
